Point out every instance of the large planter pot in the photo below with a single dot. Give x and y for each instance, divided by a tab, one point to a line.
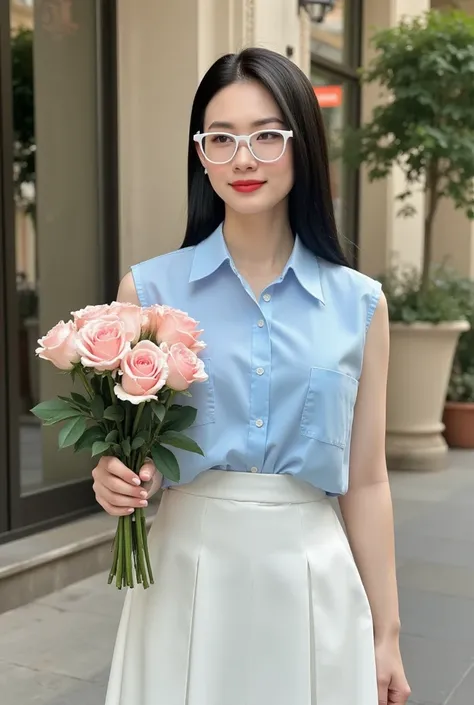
421	357
458	420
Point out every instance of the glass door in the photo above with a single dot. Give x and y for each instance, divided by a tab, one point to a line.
60	248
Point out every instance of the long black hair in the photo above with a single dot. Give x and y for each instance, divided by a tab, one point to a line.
311	211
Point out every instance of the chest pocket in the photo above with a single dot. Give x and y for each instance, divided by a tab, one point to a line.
329	407
202	398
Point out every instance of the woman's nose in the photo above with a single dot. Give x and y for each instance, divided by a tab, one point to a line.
244	157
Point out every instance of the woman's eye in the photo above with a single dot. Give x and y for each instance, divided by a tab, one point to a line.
220	139
266	136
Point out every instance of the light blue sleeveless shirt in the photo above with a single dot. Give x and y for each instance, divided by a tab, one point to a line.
283	370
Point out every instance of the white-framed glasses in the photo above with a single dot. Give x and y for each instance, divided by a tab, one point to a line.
264	145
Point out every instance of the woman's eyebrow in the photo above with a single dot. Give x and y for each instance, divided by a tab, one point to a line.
257	123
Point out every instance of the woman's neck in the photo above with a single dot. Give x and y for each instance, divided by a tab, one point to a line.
259	244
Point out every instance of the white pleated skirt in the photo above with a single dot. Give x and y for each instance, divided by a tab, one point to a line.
257	601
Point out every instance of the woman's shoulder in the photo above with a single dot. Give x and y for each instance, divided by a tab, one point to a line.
160	278
167	259
345	278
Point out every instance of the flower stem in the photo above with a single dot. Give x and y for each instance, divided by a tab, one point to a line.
140	547
158	428
111	389
135	555
85	381
138	417
113	569
147	553
128	550
119	574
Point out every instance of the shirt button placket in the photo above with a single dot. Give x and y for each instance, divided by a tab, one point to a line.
260	386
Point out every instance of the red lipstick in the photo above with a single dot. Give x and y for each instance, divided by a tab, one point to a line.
247	186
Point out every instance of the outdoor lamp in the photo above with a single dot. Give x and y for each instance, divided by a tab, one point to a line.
317	9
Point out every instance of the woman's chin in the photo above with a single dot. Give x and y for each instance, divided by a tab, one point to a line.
250	206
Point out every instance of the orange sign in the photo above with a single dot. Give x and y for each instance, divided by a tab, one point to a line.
329	96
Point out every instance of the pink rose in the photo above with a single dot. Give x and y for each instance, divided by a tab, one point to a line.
59	346
131	315
103	343
184	367
89	313
151	318
144	372
170	325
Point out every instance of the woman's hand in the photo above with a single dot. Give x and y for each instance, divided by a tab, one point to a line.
393	686
119	490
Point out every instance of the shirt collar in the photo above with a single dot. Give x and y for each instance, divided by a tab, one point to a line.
212	252
306	267
209	255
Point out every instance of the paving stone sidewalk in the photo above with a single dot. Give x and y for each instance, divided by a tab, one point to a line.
57	650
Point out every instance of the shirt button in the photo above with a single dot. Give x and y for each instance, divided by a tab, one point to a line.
261	323
259	423
267	297
260	371
254	469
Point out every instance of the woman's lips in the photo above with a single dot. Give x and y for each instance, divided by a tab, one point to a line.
247	186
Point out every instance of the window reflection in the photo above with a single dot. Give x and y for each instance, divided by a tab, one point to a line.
331	92
55	178
328	37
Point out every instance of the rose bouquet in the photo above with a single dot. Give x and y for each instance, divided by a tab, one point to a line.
131	362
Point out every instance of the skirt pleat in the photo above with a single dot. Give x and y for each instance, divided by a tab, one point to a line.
256	601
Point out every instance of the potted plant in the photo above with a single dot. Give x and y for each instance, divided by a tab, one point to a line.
459	408
425	126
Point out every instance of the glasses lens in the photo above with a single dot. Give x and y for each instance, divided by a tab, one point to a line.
218	147
267	145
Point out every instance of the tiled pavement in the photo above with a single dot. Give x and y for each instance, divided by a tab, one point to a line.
56	651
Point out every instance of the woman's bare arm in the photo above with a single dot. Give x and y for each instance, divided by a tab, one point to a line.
367	507
127	292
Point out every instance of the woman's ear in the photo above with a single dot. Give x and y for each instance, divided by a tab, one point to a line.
200	155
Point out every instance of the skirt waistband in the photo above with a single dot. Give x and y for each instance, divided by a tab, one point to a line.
247	487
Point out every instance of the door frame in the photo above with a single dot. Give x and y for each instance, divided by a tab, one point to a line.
21	514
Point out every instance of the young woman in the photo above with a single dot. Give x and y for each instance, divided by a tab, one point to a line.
258	598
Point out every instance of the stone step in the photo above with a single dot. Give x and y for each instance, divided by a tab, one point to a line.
37	565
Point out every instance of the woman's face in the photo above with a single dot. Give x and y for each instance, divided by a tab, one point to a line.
245	184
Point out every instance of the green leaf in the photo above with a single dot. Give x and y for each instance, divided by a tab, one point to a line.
158	410
114	413
88	438
179	440
80	400
99	447
112	437
166	462
71	432
137	442
179	418
47	410
63	416
126	446
97	407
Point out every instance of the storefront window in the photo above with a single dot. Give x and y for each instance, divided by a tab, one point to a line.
56	188
335	45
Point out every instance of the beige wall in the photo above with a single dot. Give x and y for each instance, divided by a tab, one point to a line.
383	235
163	53
453	232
